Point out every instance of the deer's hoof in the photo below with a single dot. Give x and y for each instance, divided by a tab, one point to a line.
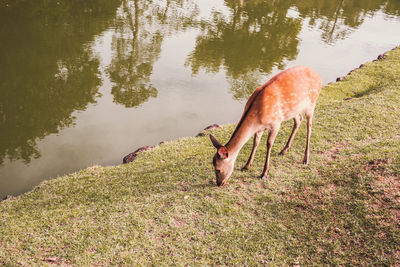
245	168
283	152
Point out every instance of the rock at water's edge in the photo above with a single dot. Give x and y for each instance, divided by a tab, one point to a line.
131	156
7	197
213	126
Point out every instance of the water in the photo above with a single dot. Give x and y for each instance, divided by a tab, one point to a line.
87	82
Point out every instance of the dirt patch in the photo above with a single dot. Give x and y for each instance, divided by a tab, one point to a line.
378	164
333	153
385	188
56	261
178	222
262	185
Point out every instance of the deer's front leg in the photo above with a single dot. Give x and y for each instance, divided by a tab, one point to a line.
257	138
271	138
309	126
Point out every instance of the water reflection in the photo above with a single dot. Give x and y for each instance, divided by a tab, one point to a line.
256	36
337	19
45	74
140	29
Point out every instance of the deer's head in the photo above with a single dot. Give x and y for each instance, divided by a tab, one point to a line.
223	164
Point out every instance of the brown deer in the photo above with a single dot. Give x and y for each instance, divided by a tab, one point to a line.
286	96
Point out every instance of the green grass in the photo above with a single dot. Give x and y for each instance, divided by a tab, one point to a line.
165	209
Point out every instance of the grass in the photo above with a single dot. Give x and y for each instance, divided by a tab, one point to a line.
165	209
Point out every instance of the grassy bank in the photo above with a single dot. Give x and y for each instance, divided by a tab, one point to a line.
165	209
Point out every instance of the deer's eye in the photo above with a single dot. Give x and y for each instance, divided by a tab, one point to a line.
218	171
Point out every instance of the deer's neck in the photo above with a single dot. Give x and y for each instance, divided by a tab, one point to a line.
243	132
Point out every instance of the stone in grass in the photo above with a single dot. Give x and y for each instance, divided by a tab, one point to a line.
131	156
213	126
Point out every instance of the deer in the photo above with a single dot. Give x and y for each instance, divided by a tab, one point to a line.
285	96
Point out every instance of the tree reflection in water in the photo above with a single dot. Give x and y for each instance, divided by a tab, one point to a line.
140	30
337	19
46	72
257	36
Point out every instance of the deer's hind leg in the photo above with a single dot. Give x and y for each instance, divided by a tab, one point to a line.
297	121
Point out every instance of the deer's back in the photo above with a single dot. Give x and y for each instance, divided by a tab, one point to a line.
287	94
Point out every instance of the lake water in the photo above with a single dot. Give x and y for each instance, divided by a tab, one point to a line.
87	82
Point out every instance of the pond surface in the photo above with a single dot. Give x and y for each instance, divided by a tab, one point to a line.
87	82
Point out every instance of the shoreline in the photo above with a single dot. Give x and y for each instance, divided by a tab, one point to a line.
131	156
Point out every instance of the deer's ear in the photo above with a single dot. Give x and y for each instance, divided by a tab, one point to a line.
223	152
215	142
